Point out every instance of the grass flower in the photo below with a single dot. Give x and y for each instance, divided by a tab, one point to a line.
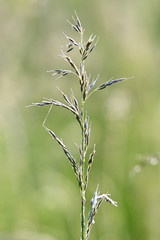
81	167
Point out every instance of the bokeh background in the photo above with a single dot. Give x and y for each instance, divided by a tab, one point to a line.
39	196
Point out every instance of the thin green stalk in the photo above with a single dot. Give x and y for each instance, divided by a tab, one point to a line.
83	177
83	216
83	200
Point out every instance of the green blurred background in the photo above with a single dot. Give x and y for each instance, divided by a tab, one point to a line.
39	196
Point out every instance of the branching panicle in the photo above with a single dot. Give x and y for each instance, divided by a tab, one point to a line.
87	88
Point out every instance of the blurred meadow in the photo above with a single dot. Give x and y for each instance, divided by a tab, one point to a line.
39	197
